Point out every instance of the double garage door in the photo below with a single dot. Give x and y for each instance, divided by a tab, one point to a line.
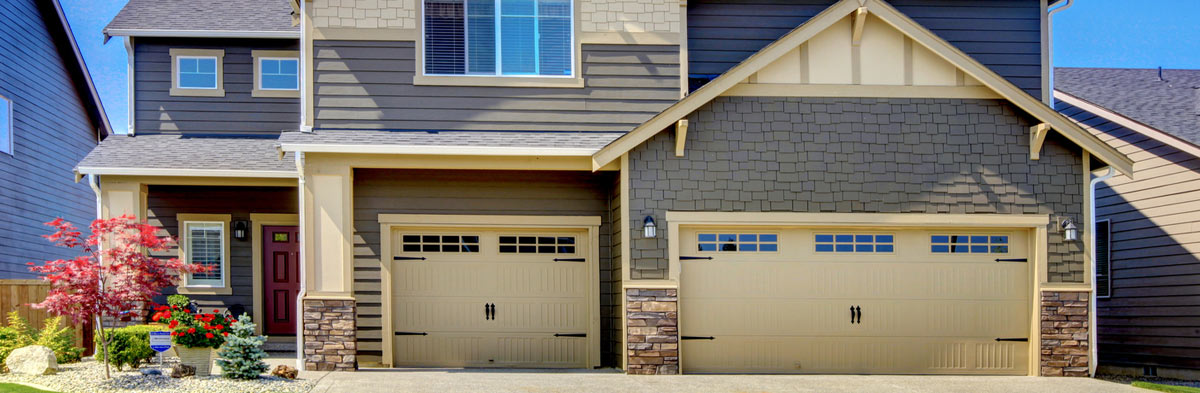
828	300
466	297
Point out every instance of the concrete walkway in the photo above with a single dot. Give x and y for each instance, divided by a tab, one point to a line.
550	381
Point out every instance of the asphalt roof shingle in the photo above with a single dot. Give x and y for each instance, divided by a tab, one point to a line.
568	140
205	15
1170	104
175	151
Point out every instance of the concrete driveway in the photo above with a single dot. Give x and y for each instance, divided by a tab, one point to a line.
550	381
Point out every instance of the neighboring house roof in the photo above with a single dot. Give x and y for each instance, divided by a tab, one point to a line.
1170	105
448	142
907	26
188	155
205	18
68	49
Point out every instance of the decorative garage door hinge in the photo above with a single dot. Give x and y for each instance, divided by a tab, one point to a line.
1021	339
570	334
412	334
1012	259
683	258
408	258
569	260
697	338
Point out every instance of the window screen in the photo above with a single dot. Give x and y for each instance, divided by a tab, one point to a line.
206	242
1103	259
197	72
498	37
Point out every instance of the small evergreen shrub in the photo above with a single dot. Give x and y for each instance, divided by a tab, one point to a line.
130	345
53	335
242	355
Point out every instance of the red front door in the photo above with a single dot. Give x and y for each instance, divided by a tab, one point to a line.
281	273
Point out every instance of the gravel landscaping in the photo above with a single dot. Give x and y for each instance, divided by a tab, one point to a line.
88	377
1125	380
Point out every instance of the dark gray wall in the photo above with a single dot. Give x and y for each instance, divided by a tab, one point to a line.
157	110
163	203
378	191
1002	34
853	155
51	134
369	84
1152	316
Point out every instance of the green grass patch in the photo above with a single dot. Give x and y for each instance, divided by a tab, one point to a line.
1160	387
16	388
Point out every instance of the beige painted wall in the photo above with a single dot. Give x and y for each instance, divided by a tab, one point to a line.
594	16
365	14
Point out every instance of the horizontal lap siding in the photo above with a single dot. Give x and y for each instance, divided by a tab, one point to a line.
165	202
1003	34
238	111
369	84
539	193
1151	319
51	133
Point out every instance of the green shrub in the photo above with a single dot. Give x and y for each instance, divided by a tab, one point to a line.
130	345
53	335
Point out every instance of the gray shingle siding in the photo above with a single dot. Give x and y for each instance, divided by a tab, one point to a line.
51	133
1004	35
852	155
369	84
238	111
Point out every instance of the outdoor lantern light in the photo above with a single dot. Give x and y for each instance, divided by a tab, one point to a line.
1070	232
240	230
648	227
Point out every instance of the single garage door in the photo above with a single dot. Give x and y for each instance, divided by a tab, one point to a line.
465	297
879	300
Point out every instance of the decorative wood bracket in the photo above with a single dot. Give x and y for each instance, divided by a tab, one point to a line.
680	136
860	20
1037	135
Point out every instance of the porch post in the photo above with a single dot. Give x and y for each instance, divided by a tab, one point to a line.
329	308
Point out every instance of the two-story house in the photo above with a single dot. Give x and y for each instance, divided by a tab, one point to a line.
801	186
50	118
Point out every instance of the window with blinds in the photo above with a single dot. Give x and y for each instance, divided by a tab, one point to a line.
206	246
498	37
1103	259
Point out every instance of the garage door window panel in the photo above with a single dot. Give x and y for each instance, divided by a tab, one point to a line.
440	243
537	244
737	242
969	244
854	243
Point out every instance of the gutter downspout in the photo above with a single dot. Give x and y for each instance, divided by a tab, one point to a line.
303	273
1050	44
1093	361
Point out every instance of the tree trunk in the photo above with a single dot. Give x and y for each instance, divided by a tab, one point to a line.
103	345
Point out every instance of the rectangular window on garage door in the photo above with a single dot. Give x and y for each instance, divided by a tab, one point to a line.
737	241
560	244
457	243
970	243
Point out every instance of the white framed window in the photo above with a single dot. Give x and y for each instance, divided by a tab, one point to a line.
206	247
737	242
1103	246
499	37
278	73
197	72
854	242
6	125
969	244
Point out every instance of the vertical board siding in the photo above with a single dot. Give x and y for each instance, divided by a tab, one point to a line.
1004	35
17	295
238	111
165	202
51	133
379	191
1153	315
369	84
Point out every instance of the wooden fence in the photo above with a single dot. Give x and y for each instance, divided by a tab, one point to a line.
18	294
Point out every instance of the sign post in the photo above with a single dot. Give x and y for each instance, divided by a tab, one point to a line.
160	342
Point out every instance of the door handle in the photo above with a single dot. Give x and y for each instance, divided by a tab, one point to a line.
487	311
855	314
859	310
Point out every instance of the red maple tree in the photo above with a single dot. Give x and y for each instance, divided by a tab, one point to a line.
114	274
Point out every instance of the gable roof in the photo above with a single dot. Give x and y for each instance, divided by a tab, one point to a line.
205	18
895	19
1102	121
68	49
1170	104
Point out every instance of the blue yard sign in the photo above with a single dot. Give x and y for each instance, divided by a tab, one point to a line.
160	341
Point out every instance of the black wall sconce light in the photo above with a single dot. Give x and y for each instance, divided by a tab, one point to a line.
241	230
648	228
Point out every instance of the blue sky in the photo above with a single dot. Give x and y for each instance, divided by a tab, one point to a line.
1092	33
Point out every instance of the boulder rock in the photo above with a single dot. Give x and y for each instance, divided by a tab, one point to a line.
284	371
182	370
32	360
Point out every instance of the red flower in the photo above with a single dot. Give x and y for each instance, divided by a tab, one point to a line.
214	311
209	335
226	334
156	317
173	324
191	330
219	327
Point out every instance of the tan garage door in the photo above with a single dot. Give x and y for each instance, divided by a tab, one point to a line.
897	301
489	298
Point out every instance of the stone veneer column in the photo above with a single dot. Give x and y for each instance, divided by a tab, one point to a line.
652	332
1065	347
329	340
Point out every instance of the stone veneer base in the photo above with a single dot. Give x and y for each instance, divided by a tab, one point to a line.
1064	332
652	334
329	339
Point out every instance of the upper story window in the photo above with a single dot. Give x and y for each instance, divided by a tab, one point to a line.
6	125
276	73
499	37
197	72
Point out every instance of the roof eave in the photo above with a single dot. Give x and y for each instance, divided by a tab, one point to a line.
202	33
438	150
182	172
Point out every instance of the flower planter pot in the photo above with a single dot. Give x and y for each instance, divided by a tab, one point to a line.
200	358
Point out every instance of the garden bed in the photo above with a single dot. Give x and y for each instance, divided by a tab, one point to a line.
88	377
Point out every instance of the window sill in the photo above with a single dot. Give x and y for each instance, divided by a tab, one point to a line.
178	92
497	81
185	290
275	93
